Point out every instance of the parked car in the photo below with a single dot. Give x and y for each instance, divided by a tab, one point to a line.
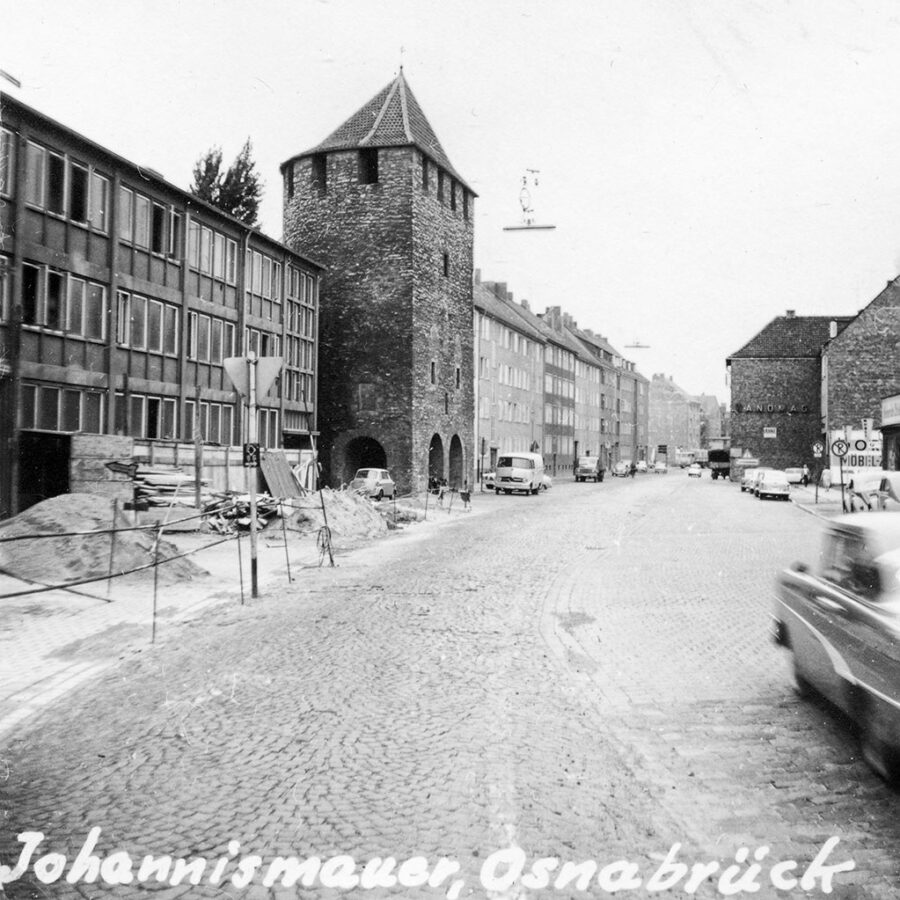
547	482
841	623
621	468
773	483
376	483
865	489
589	467
488	479
519	472
749	478
695	470
794	475
641	465
660	469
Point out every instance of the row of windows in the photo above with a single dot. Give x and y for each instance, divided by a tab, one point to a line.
298	386
62	409
454	191
7	161
145	324
561	387
263	275
559	415
211	252
510	411
301	319
59	185
557	444
513	376
61	302
587	423
299	354
209	339
149	225
562	359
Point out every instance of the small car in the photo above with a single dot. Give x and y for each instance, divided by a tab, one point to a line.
748	479
375	483
841	623
695	470
773	483
794	475
641	465
488	479
621	469
547	482
660	469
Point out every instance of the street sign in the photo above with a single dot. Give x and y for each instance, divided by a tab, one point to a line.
839	448
860	445
266	368
818	448
251	456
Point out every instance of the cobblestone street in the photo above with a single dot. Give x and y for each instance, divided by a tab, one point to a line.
586	675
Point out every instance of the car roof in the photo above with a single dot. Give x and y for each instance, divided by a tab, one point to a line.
881	531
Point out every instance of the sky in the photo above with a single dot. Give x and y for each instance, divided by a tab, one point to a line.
706	165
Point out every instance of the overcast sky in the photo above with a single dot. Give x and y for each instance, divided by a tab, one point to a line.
707	165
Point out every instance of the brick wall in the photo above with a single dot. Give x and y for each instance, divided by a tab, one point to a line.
788	392
862	362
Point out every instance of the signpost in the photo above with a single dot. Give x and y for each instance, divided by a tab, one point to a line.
818	448
839	448
252	376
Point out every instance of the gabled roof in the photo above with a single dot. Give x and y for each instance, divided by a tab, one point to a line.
791	336
504	310
392	118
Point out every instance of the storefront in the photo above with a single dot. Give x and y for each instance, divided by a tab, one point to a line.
890	432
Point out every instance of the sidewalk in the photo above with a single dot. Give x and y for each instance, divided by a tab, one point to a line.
51	642
826	504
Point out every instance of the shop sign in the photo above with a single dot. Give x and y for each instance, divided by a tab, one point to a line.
890	410
789	408
770	431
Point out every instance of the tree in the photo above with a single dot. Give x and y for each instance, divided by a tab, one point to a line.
237	191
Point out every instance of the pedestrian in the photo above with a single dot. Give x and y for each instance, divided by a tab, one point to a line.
804	480
632	470
465	496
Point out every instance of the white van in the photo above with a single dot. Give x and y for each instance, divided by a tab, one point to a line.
519	472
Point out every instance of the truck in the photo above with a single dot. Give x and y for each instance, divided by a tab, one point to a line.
719	463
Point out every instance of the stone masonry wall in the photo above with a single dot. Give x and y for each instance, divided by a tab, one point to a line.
779	393
862	362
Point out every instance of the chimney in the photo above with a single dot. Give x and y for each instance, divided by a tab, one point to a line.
790	314
524	304
478	276
500	289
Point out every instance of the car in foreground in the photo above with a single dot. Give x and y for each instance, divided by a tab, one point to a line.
773	483
750	477
660	468
695	470
375	483
841	623
519	472
641	465
589	467
621	469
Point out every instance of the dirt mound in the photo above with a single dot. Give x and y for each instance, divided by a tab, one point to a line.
349	516
67	559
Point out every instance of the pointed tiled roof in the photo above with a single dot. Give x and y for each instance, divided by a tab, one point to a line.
791	336
392	118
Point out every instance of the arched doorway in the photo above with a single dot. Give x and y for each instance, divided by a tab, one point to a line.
363	453
456	462
436	458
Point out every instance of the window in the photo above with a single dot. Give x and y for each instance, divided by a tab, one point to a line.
205	249
452	195
465	198
433	372
141	221
440	188
368	166
56	183
320	172
138	322
34	174
7	161
53	311
446	265
158	229
99	202
458	377
194	244
218	255
230	261
289	181
126	214
174	233
78	193
170	330
31	286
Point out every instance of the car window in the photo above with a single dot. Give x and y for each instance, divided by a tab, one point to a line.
849	565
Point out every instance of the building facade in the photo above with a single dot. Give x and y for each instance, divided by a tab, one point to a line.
776	390
380	205
674	417
120	297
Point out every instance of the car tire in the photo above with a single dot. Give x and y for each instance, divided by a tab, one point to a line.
879	755
380	494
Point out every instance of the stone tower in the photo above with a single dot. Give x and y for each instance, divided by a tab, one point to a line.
380	206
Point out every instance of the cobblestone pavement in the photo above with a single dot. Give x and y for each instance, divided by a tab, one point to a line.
584	675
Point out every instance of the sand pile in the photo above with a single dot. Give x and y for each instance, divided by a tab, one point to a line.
348	514
67	559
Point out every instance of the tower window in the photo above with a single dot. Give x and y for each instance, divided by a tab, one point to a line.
368	166
289	181
446	404
424	172
453	195
320	172
458	377
440	191
465	197
433	372
446	265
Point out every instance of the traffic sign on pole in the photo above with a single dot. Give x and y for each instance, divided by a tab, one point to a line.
839	448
